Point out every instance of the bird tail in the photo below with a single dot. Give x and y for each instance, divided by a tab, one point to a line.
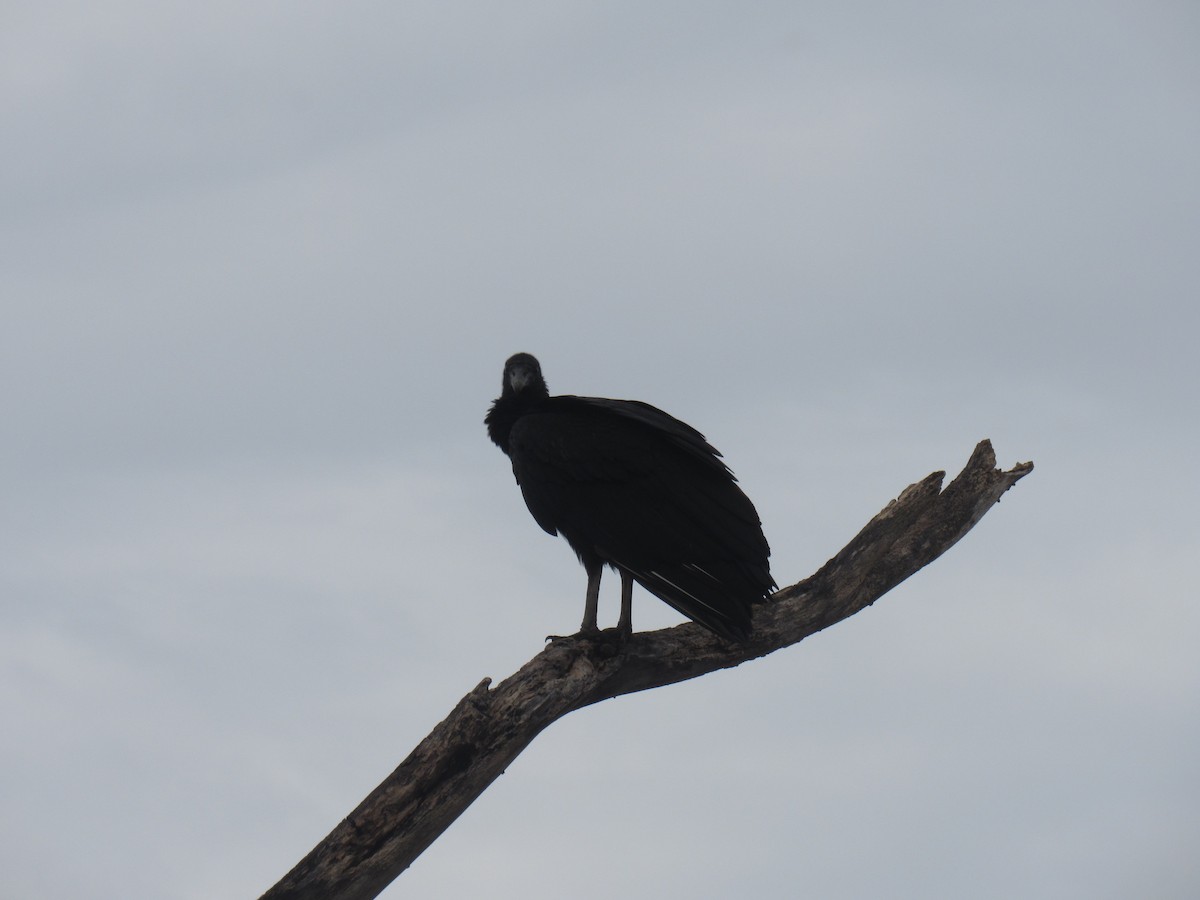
717	597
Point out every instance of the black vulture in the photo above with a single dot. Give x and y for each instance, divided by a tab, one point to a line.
631	487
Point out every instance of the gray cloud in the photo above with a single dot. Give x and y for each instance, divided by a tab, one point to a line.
261	268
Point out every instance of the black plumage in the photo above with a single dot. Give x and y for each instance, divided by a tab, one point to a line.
631	487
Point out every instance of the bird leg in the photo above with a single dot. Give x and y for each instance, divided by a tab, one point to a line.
625	623
591	604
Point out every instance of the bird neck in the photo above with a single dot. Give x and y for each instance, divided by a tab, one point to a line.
504	414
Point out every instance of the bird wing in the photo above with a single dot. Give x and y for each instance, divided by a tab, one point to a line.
634	483
681	434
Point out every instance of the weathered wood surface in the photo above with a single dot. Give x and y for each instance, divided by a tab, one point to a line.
484	733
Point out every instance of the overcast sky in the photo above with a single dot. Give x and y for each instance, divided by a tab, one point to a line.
261	265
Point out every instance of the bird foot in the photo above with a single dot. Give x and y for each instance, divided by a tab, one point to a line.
607	640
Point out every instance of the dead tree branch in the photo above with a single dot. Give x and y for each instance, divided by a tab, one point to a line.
490	726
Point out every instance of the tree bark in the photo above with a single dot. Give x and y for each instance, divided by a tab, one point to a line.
484	733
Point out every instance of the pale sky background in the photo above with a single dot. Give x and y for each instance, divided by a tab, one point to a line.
261	265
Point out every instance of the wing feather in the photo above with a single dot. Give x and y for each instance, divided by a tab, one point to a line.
646	493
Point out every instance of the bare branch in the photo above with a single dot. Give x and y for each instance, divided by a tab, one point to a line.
490	726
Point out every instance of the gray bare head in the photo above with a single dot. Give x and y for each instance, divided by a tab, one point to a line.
523	376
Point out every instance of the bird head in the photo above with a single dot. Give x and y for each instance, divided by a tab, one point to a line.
523	377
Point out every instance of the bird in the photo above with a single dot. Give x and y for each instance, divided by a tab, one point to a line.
635	489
